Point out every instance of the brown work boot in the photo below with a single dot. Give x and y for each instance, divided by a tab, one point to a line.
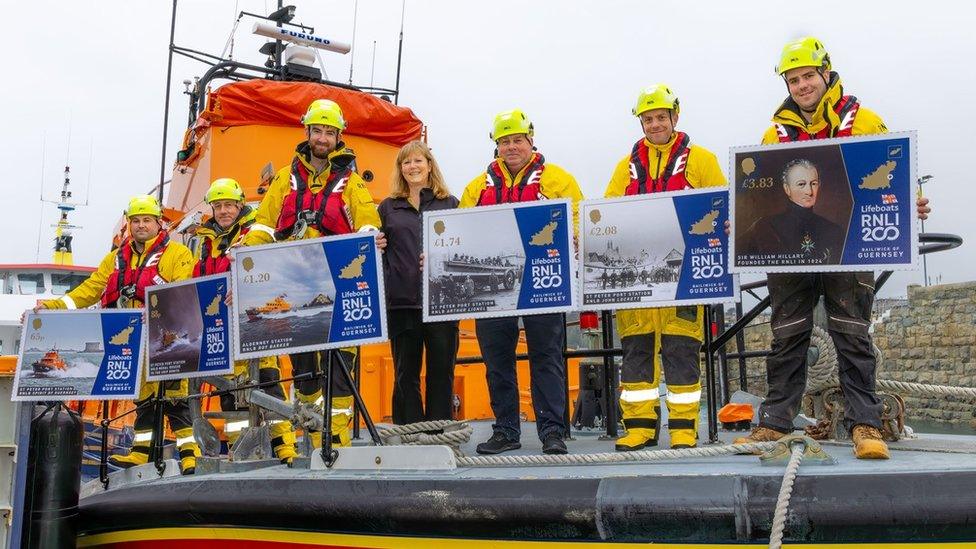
868	443
760	434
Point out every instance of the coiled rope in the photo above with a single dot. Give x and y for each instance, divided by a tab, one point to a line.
440	432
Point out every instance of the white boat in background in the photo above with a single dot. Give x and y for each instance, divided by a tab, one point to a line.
23	285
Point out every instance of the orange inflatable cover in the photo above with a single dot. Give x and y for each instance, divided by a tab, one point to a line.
732	412
272	103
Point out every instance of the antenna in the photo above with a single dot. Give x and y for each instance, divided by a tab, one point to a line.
403	11
40	214
62	233
67	148
352	48
372	69
229	45
169	78
91	162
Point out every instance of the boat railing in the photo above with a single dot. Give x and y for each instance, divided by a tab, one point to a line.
716	363
717	335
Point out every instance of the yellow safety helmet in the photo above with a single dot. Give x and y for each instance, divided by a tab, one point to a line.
803	52
143	204
657	96
225	188
325	112
510	123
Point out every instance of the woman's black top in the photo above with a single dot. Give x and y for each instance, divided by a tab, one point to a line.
402	225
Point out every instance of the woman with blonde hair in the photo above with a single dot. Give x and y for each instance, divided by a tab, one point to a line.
417	187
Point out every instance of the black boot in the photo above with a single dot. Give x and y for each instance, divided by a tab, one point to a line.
497	444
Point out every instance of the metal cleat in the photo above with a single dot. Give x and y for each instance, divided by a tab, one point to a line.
813	452
253	443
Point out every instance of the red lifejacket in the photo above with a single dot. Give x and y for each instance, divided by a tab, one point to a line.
208	265
672	178
134	280
325	211
525	190
846	110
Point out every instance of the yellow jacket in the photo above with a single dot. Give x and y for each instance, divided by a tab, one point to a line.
866	122
554	183
212	233
176	263
701	171
356	196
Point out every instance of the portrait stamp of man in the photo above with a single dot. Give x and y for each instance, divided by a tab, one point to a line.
829	205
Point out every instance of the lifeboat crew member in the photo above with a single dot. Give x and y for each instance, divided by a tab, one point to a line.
319	194
231	221
145	258
521	174
664	338
817	108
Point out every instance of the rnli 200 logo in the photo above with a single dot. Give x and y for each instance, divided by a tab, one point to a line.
547	276
357	308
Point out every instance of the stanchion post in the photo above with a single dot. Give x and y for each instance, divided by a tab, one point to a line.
328	454
357	371
359	403
609	375
565	346
740	347
710	377
103	458
158	433
723	359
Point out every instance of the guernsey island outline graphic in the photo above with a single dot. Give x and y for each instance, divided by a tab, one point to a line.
354	269
545	236
705	225
214	306
122	338
880	178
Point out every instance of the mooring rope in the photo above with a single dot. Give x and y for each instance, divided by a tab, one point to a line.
785	492
424	433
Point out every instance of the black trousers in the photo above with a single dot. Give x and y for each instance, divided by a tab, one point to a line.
848	298
409	336
498	338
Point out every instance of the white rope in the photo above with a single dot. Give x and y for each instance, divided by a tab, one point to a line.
425	433
614	457
783	501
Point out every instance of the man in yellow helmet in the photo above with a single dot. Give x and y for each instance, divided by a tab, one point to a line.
231	221
145	258
319	194
817	108
667	338
520	174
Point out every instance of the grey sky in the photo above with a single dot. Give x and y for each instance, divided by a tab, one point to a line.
289	272
574	67
657	242
64	332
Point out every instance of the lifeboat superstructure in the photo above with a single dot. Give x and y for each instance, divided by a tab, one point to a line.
50	361
276	306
